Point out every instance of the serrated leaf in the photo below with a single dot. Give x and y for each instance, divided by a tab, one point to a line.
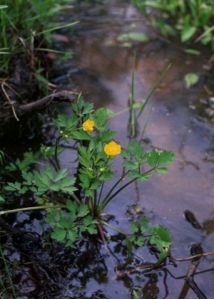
80	135
71	206
129	165
60	175
72	237
83	211
101	117
136	151
166	157
58	234
92	229
107	135
134	227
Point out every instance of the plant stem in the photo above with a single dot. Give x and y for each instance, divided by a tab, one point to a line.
131	103
101	191
4	212
56	153
118	191
194	256
75	198
115	185
154	88
115	228
106	201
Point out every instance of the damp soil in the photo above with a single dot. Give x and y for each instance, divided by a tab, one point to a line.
176	118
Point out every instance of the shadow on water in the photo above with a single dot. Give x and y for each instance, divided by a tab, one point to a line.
182	200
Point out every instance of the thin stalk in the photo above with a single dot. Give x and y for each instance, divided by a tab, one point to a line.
131	103
75	198
115	185
11	211
57	27
8	273
141	104
118	191
194	256
95	200
100	193
114	228
209	30
124	186
56	153
3	33
154	88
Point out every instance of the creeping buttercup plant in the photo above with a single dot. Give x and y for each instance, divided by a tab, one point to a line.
75	204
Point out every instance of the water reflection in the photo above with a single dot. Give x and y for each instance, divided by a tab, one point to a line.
174	120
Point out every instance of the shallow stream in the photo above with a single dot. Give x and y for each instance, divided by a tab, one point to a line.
176	118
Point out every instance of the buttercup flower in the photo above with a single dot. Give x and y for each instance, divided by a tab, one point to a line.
112	149
88	125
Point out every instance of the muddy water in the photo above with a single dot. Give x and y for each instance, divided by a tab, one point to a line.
176	118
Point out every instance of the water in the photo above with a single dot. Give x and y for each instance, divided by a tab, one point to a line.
175	119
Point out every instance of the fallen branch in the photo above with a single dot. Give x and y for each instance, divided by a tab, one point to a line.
67	96
194	256
189	278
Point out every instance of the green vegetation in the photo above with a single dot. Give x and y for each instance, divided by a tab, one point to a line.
75	203
24	28
192	20
156	236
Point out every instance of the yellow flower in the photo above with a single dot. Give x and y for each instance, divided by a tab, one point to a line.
112	149
88	125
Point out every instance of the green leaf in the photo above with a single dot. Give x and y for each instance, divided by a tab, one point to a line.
160	238
101	117
61	174
133	36
106	175
166	157
71	206
134	227
72	237
80	135
153	158
84	181
92	229
191	79
107	135
58	234
83	211
136	151
187	33
161	158
145	177
129	165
